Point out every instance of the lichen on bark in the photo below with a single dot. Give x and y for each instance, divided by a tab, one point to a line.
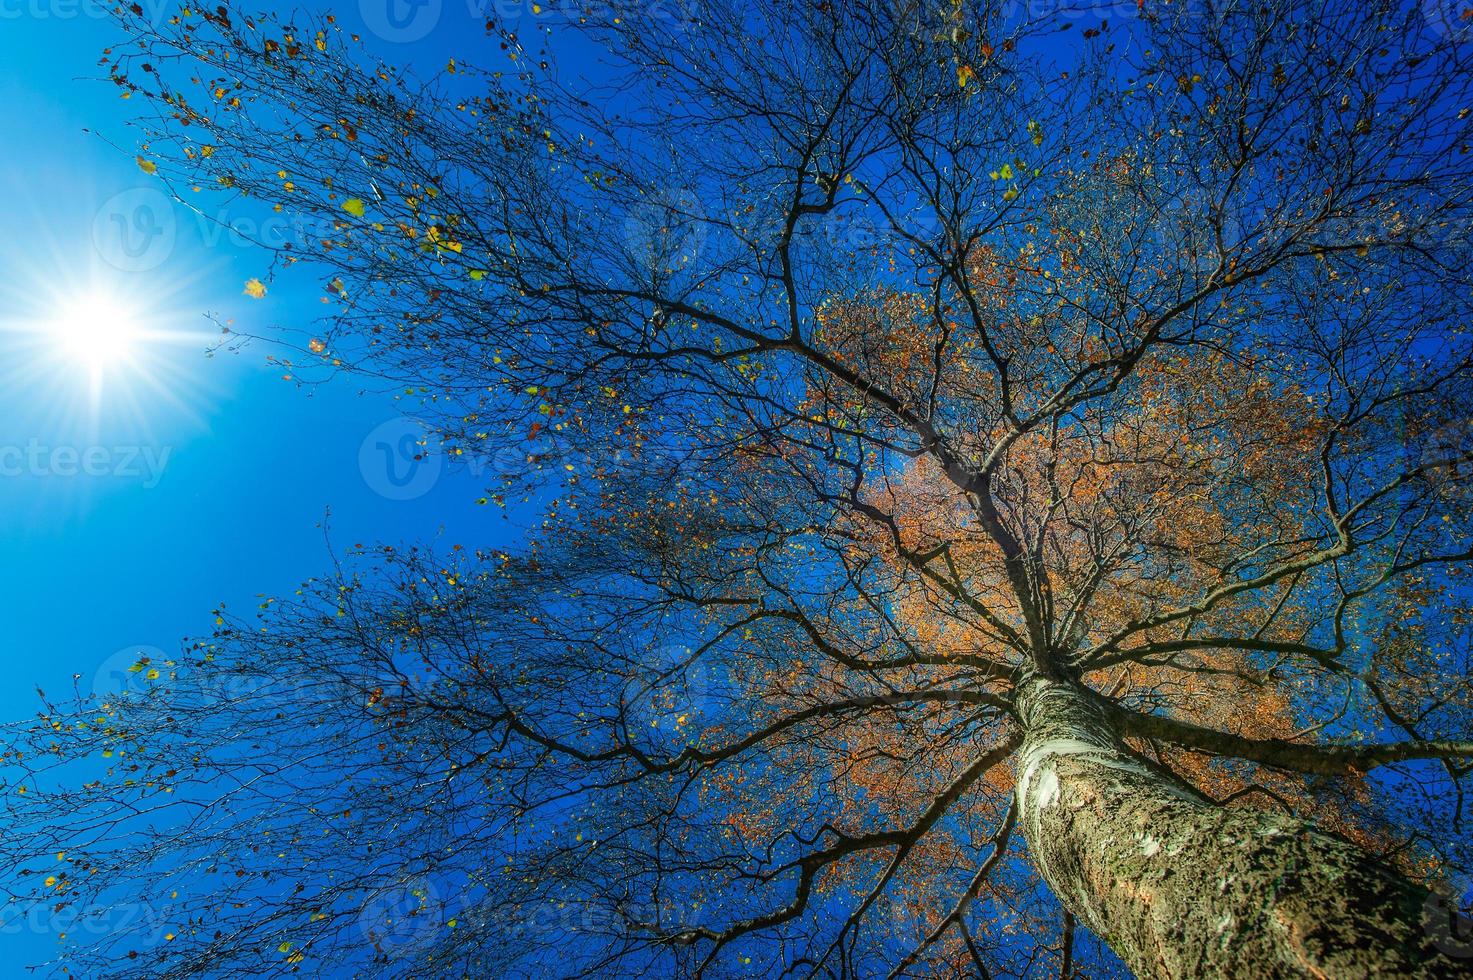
1181	887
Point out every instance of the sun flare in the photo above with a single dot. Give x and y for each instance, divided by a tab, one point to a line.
96	329
94	350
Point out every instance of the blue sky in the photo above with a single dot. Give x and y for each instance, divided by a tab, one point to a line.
141	487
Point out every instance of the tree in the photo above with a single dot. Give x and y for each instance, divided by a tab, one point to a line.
998	476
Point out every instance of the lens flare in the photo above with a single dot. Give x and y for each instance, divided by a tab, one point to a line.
96	329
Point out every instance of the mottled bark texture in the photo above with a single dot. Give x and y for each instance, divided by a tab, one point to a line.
1180	887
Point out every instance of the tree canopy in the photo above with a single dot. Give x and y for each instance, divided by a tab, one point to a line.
867	365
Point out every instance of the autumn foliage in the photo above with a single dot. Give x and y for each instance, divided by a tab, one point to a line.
856	366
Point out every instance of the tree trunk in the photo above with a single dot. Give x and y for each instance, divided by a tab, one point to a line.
1179	887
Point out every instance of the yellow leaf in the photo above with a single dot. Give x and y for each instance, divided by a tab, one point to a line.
316	346
147	166
255	288
965	74
354	206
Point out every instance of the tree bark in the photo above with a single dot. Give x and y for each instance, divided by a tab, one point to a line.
1179	887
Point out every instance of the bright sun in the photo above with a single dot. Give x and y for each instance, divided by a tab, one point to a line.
98	347
97	329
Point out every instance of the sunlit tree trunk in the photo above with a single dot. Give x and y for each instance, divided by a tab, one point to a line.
1179	887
